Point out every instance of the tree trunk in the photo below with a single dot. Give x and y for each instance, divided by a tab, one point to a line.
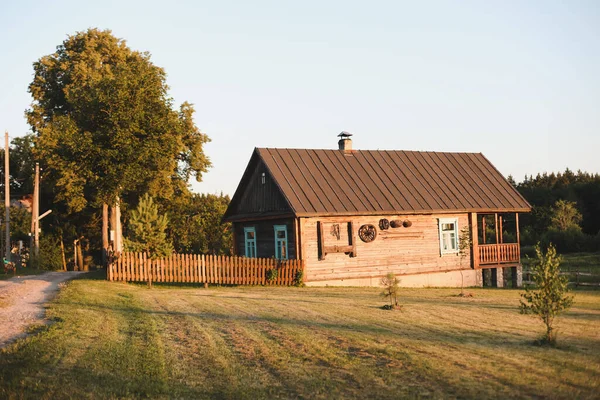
79	256
62	248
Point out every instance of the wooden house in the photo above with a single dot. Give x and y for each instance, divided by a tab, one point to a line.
355	215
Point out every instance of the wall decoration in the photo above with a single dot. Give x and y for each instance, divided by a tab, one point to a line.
406	223
335	231
367	233
349	249
396	224
384	224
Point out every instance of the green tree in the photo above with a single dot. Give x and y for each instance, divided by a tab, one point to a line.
196	224
549	296
565	215
106	128
146	231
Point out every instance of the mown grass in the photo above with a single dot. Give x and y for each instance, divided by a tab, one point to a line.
113	340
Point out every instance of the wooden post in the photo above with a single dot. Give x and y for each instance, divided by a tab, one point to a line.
518	237
296	239
7	196
501	230
36	200
105	234
474	241
496	229
62	248
118	231
75	265
483	228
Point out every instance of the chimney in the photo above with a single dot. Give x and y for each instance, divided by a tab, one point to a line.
345	143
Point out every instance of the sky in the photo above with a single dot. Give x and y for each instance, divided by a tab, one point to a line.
518	81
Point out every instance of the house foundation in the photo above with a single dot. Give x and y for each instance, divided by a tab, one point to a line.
469	278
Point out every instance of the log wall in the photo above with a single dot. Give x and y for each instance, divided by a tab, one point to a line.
412	250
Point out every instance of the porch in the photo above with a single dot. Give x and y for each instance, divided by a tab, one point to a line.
496	248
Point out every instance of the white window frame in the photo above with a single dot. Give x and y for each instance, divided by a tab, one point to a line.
249	244
279	228
442	221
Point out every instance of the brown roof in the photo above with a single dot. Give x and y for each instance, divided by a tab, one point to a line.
334	182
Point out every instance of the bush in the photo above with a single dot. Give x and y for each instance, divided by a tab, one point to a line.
272	274
50	256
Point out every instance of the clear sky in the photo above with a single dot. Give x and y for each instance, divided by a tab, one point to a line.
518	81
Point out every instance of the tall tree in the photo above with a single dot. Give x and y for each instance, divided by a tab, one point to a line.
106	127
565	215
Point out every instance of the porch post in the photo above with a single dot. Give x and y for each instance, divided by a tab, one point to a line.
518	237
297	239
483	228
474	240
501	230
496	229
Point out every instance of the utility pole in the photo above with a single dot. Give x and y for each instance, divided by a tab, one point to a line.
7	195
36	202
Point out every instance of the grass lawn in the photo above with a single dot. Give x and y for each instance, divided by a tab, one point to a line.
115	340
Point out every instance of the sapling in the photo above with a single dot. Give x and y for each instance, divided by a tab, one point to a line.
548	297
391	289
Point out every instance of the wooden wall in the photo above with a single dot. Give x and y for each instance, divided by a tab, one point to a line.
400	250
258	197
265	237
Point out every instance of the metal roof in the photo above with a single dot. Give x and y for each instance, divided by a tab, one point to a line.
335	182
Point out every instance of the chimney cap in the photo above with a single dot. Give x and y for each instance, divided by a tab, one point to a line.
345	135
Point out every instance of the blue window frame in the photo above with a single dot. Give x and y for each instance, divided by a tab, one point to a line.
281	242
250	241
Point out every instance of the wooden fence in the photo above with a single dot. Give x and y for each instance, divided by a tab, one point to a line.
577	277
138	267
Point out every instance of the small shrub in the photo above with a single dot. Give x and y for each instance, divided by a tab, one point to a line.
299	279
271	274
391	289
549	296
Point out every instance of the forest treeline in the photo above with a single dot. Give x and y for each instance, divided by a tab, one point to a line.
565	210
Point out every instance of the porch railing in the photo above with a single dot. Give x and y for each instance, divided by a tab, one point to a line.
499	253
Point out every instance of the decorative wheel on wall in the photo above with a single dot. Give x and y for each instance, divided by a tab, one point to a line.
367	233
384	224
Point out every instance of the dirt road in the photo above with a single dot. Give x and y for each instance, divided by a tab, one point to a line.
22	302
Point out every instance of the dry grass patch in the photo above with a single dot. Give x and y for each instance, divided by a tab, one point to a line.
126	341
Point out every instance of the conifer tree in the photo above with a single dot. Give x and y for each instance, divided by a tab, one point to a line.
147	230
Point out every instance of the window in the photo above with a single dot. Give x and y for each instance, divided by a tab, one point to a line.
263	178
281	245
250	241
448	235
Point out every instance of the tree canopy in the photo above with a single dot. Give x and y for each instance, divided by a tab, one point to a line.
106	125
